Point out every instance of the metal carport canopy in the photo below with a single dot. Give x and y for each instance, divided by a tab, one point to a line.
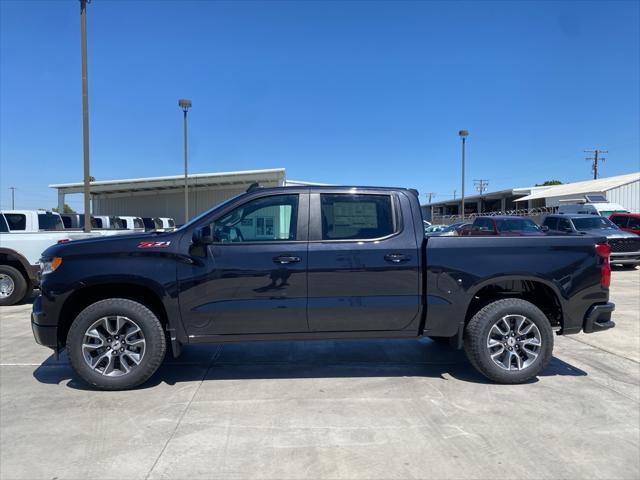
276	175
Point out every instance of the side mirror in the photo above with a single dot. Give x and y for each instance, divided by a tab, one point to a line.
544	228
203	236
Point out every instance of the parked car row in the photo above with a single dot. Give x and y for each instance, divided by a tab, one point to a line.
25	234
622	231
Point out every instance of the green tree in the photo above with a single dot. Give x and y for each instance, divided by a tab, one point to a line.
66	209
547	183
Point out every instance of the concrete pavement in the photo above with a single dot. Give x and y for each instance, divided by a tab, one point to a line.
369	409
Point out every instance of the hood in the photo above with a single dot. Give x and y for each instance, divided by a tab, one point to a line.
609	233
108	244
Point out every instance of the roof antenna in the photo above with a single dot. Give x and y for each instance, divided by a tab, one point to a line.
253	186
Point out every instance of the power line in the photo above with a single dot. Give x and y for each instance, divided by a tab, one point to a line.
481	185
595	159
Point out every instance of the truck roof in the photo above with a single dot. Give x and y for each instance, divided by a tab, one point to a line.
335	187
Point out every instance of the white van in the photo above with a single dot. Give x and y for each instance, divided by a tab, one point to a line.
591	205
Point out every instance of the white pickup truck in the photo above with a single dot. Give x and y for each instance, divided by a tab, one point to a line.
24	235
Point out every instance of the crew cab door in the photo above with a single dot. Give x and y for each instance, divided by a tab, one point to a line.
253	278
363	270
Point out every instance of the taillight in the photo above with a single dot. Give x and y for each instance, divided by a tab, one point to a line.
604	250
63	240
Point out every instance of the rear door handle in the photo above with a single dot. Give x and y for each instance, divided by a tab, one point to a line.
285	259
396	257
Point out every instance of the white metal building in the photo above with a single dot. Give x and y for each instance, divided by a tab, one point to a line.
164	196
621	189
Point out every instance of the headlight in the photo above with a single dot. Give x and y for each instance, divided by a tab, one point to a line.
48	266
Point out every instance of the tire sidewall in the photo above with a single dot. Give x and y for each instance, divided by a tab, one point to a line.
493	312
19	285
143	317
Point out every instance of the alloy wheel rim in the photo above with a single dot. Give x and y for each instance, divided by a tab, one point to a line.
514	342
7	286
113	346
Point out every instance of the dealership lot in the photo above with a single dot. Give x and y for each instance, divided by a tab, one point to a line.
369	409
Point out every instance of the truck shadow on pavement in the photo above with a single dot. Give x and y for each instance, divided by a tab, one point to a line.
304	359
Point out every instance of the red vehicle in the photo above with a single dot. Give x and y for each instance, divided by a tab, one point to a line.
503	225
629	222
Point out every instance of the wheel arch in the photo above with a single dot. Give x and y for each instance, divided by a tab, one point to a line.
81	298
538	291
18	261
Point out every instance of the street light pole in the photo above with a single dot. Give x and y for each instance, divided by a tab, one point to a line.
463	135
13	197
85	112
185	105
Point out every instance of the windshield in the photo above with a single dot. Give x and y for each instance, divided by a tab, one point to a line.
452	227
608	213
517	225
195	220
592	223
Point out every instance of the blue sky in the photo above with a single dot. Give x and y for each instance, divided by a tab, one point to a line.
337	92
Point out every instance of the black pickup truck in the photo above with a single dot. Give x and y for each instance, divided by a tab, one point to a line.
306	263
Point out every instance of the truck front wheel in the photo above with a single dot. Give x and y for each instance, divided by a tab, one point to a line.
13	285
509	341
116	344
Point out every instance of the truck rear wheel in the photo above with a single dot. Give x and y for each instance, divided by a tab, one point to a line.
13	285
509	341
116	344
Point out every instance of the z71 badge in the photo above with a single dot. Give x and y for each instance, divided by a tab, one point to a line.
154	244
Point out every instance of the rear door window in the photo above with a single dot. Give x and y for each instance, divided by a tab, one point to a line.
16	221
4	228
357	216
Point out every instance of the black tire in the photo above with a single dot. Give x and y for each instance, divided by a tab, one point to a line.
155	347
20	285
477	334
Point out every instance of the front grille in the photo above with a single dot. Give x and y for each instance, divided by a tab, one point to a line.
624	244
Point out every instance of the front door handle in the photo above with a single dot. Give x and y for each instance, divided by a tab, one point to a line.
396	257
285	259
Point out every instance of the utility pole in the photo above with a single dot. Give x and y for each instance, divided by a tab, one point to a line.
481	186
429	195
13	197
85	113
595	159
454	194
